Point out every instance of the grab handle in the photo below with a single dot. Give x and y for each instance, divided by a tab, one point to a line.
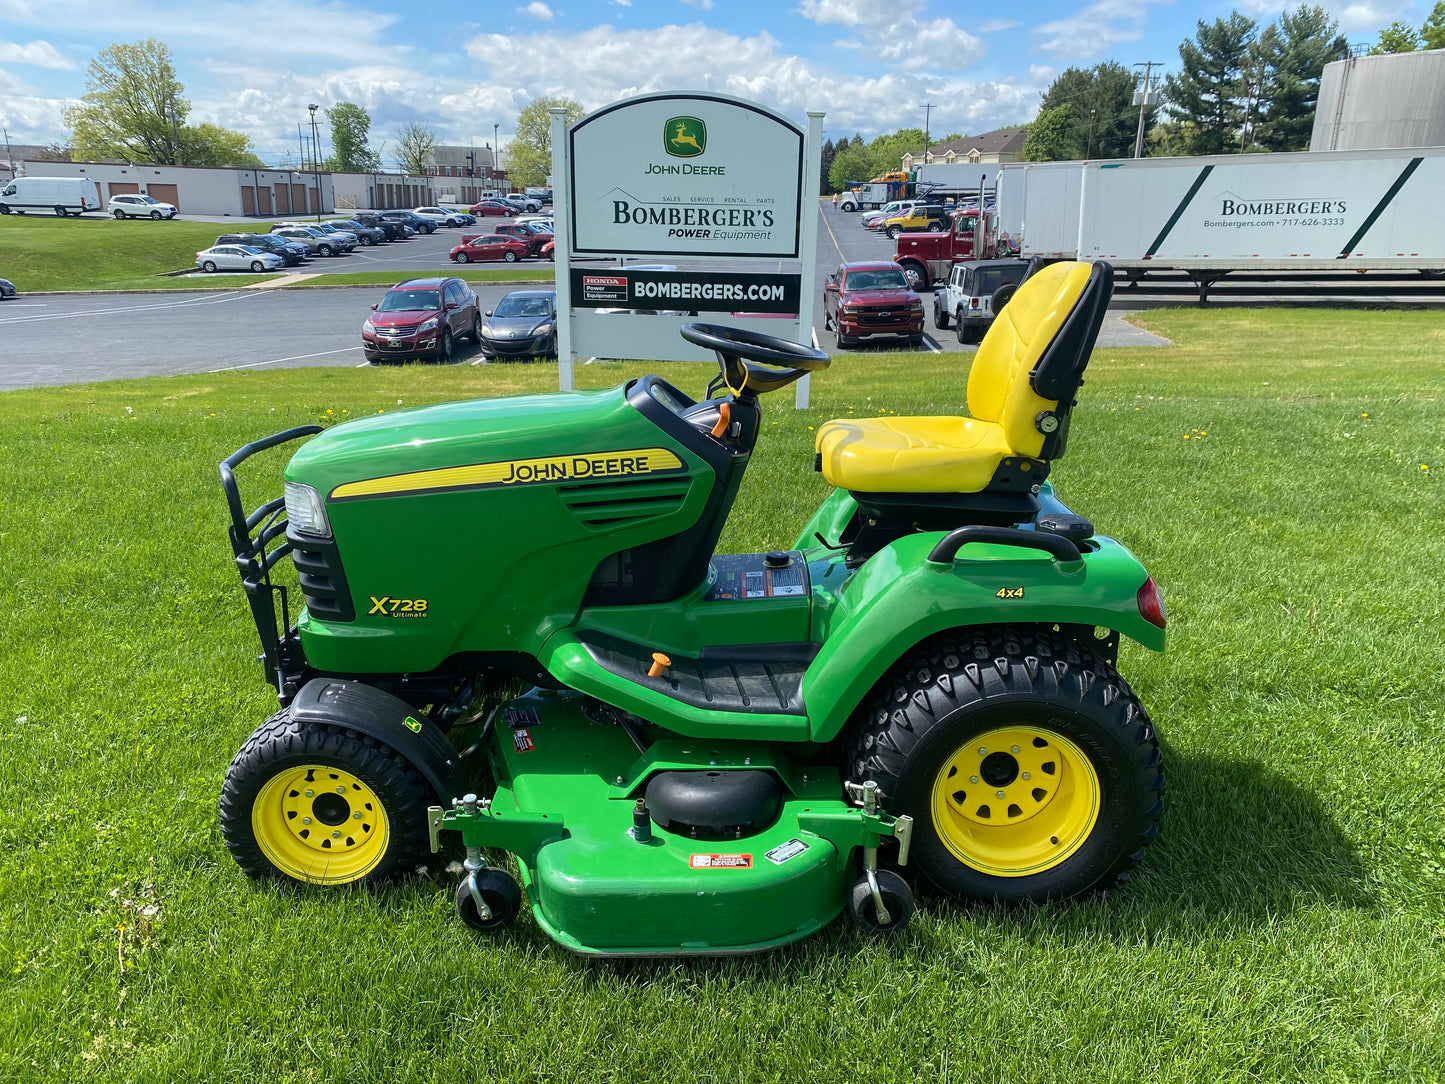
1056	546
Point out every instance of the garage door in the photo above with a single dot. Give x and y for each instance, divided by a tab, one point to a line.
124	188
283	200
166	193
298	199
248	200
315	203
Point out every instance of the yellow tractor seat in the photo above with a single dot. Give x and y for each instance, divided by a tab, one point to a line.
1020	391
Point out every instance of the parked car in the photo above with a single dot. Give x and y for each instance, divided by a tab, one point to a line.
238	258
439	215
468	219
925	216
367	235
394	229
490	246
292	252
542	195
976	292
345	238
534	235
412	219
317	242
421	317
549	251
493	207
130	206
7	289
871	300
869	219
524	324
523	203
60	195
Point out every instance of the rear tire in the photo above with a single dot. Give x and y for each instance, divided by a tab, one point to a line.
510	256
1033	716
209	267
966	334
940	317
265	797
59	212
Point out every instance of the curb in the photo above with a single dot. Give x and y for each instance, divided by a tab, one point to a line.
295	286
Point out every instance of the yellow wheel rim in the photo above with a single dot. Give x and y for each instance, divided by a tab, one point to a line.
320	824
1015	801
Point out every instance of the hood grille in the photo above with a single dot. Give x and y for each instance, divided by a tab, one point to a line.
608	505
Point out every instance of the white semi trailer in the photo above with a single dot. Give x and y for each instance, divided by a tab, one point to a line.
1208	216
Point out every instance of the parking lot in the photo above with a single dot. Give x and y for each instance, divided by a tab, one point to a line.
172	332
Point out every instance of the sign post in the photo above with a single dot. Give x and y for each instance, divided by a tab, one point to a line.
562	248
812	185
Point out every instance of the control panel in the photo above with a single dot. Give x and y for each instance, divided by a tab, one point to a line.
776	574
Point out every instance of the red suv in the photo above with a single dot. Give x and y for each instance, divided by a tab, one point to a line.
868	300
420	318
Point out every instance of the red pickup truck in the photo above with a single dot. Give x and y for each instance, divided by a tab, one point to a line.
927	258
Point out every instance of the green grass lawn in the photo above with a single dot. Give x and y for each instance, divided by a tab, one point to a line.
1280	474
42	253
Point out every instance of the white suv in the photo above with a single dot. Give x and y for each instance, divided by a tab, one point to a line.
139	207
440	215
976	291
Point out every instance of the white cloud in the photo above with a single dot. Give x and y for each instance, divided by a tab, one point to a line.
538	10
39	54
898	34
1368	18
704	5
623	3
1091	31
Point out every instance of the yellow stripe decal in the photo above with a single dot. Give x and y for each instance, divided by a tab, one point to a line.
513	472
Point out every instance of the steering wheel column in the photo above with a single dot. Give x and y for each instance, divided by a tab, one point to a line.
751	363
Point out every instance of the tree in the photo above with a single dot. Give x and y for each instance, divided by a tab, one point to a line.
1104	117
132	108
1209	91
350	140
414	143
1050	135
212	145
850	164
1398	37
830	149
529	155
1292	56
1432	31
54	153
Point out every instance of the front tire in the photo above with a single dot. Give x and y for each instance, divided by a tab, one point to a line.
917	277
326	250
1030	768
323	805
462	257
257	266
444	352
894	232
156	216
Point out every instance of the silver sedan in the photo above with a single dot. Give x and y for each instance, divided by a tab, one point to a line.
237	258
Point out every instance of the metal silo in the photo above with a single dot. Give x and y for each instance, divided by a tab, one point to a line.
1378	102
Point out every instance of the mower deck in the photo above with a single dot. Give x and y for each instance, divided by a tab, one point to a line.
597	890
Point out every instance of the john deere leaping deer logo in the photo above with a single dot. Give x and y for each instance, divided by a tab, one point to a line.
684	137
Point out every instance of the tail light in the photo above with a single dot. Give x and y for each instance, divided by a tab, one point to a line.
1151	603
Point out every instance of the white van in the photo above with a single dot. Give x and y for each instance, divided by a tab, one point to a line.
60	195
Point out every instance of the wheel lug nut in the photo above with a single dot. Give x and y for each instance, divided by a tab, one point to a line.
982	751
305	820
310	793
973	779
1015	748
340	790
357	816
335	835
1026	775
1001	794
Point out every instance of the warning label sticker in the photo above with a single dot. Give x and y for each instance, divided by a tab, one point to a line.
721	861
783	851
523	741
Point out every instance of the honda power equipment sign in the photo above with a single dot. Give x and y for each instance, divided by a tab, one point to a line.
686	175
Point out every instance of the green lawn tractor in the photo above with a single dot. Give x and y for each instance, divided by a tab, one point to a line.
717	753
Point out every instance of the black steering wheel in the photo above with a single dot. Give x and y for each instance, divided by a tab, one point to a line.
752	362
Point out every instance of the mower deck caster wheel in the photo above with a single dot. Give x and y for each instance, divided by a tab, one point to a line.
499	892
897	901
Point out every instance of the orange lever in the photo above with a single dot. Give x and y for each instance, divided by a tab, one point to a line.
660	662
724	419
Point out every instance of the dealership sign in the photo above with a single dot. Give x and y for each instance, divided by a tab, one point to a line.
686	175
690	291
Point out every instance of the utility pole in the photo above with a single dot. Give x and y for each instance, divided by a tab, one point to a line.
9	155
927	112
496	151
1144	98
316	157
1089	149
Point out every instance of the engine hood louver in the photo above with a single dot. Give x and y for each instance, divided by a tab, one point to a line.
621	504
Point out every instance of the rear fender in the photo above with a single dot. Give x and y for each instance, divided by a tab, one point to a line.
389	720
899	599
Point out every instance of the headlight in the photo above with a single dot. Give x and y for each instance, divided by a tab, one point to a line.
487	330
304	510
430	325
542	329
367	325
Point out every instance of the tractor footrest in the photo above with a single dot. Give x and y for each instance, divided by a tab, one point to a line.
752	678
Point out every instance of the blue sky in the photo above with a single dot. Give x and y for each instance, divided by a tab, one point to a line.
254	65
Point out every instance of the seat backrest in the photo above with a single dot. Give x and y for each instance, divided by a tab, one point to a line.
1032	360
